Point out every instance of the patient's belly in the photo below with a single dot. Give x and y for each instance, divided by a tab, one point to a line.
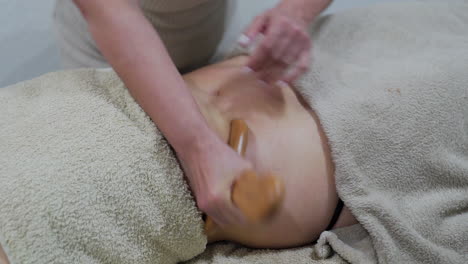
285	139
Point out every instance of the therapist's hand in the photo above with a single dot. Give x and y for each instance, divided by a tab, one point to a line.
211	170
283	51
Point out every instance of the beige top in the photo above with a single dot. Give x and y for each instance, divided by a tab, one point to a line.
172	5
190	29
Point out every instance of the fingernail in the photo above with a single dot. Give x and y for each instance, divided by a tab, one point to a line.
281	83
262	82
243	40
246	69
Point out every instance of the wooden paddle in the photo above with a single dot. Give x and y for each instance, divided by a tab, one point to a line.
256	197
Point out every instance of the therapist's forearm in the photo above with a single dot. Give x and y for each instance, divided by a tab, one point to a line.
137	54
307	10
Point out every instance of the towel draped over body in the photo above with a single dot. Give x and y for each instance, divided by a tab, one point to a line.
390	87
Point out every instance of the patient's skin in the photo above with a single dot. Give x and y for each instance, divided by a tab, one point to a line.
286	139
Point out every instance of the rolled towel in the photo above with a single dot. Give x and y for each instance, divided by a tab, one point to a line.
86	177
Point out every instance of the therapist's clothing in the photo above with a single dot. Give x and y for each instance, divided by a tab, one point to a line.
190	29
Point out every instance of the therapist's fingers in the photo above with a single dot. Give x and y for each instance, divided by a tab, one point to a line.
298	69
268	52
286	58
225	213
260	58
281	37
257	27
292	54
273	72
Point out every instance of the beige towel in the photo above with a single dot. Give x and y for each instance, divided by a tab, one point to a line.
390	86
86	177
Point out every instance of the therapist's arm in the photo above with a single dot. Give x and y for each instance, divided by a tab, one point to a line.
133	48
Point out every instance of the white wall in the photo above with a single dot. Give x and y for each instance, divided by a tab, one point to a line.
27	46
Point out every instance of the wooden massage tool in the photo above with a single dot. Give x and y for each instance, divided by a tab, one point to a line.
256	197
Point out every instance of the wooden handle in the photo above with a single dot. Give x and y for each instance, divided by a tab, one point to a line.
257	197
238	137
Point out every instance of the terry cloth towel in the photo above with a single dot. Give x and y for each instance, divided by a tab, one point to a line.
86	177
390	86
